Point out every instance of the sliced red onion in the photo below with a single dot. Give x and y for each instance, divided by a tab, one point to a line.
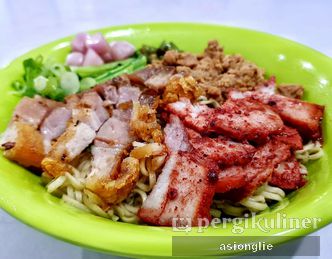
107	57
121	50
98	43
92	58
78	43
75	59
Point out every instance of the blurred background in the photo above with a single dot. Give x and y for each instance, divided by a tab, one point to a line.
27	24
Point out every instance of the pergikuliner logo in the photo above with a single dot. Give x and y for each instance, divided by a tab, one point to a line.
249	221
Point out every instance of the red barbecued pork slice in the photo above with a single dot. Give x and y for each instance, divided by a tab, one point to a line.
176	138
230	178
287	175
304	116
290	137
258	171
245	120
194	116
183	190
241	119
220	150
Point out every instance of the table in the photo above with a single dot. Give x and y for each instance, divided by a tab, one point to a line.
28	24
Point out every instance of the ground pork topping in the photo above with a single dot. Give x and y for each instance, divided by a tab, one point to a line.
215	72
293	91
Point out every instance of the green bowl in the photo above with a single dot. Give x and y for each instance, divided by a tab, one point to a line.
23	196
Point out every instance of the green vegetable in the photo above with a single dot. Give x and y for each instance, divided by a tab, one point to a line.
94	71
69	82
40	83
32	69
58	69
56	81
166	46
152	53
125	68
42	79
108	71
53	90
87	83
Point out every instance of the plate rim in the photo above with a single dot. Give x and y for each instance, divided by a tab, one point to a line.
12	210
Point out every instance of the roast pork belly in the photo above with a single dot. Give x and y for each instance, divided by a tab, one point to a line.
88	114
238	119
23	143
55	123
90	110
116	93
33	110
106	163
304	116
72	142
128	94
153	76
91	124
184	190
108	92
26	128
30	111
114	131
110	146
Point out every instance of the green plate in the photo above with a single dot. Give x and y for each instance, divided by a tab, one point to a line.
23	196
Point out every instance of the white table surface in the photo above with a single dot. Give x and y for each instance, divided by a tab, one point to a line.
27	24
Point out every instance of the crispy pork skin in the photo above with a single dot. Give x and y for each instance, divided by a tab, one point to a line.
23	144
67	147
111	177
153	77
25	129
